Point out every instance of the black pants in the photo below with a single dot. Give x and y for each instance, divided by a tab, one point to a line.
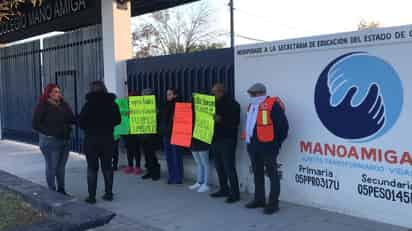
260	162
133	150
116	153
99	148
224	152
152	163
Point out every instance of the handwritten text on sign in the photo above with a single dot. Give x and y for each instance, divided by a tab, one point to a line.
204	117
182	125
143	114
204	103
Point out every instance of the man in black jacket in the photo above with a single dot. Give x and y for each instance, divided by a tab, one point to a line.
98	118
266	129
224	144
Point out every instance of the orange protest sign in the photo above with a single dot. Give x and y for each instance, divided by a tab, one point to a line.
182	125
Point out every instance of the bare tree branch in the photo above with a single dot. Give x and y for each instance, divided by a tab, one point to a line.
176	31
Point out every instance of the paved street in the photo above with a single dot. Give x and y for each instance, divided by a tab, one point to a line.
147	206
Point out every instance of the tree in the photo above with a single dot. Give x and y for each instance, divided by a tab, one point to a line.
11	8
176	31
364	25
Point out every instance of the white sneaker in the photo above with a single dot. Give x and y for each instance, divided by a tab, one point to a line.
203	188
195	186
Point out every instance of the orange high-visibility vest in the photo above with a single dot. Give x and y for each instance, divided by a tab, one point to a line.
264	124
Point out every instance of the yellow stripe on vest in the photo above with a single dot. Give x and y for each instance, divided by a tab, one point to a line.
264	117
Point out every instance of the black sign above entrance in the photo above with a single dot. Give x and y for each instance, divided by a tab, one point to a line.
140	7
20	19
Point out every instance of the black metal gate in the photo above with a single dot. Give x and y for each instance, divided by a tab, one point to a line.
72	60
194	72
189	73
20	86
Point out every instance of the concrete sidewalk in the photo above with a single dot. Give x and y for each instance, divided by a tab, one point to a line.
146	205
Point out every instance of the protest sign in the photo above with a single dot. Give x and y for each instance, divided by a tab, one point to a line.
143	114
124	126
182	125
204	117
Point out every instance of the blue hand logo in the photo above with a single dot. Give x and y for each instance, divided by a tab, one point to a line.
359	97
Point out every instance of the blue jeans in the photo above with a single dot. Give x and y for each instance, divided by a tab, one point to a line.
202	164
56	154
174	160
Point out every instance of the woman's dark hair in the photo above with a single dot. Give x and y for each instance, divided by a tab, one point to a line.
98	86
47	90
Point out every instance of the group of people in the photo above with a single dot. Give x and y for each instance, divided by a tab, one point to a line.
223	146
266	129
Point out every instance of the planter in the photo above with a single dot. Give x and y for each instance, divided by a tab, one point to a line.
63	213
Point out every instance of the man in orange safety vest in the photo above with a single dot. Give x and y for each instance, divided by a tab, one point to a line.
266	129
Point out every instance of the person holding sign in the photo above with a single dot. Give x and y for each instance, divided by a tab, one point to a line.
143	122
223	147
173	153
121	129
98	118
266	129
132	143
200	152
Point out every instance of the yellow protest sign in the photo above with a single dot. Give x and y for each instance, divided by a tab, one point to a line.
143	115
204	117
204	127
204	103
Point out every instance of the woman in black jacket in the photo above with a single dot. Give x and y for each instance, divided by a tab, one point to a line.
53	119
174	155
98	118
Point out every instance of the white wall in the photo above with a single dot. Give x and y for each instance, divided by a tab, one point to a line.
292	74
117	45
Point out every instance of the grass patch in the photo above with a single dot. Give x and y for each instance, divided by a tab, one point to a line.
15	212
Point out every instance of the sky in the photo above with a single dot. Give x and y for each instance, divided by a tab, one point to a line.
271	20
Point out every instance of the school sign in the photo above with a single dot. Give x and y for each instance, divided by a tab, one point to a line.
20	19
347	101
